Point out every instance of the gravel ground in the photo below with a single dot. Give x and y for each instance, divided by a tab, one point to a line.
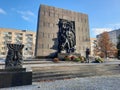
88	83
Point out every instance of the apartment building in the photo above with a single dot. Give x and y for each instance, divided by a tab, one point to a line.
93	44
25	37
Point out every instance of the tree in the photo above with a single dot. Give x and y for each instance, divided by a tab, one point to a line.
105	47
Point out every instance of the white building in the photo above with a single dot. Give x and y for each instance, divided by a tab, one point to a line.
25	37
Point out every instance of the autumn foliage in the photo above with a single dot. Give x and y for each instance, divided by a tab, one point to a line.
104	47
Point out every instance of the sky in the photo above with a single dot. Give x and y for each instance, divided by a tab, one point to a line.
104	15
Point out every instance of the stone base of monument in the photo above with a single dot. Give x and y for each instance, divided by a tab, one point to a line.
15	77
62	55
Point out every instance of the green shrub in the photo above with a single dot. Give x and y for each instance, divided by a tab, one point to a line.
99	60
77	59
82	59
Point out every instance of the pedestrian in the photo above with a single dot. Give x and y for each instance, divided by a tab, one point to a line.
87	54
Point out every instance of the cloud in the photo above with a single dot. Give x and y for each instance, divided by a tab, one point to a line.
2	11
25	18
27	15
114	26
97	31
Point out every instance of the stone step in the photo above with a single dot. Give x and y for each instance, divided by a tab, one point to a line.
63	72
45	74
58	77
75	67
69	75
38	62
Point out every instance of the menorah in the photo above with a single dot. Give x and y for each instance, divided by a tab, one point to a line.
14	56
14	74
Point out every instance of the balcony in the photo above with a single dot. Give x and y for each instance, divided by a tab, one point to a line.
19	35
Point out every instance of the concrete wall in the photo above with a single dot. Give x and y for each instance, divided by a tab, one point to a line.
47	30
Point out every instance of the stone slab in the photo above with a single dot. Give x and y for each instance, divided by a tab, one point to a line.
15	78
13	70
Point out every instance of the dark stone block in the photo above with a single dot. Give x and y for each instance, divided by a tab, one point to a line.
9	78
62	55
13	70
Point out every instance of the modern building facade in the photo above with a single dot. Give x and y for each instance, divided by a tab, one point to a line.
25	37
114	34
48	30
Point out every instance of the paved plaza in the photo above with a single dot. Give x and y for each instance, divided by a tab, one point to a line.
88	83
107	82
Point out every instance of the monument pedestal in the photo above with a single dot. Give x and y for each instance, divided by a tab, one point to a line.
62	55
15	77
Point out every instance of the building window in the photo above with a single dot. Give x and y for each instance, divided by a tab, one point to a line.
85	20
53	35
4	43
48	46
10	37
49	13
9	32
48	24
46	13
56	15
52	14
78	28
48	35
5	33
42	45
83	48
79	48
51	25
81	19
3	48
79	38
29	35
43	34
44	24
3	53
83	38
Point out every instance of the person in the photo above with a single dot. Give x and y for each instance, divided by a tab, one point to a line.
87	55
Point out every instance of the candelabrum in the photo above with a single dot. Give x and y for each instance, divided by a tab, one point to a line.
14	56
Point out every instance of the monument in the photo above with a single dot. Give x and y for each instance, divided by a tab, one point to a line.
61	31
14	74
14	56
66	36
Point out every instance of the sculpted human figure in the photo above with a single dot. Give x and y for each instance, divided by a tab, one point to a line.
67	37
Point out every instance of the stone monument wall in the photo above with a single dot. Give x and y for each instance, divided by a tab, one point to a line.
48	28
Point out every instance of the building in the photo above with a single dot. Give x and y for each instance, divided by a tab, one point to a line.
114	34
93	44
18	37
48	30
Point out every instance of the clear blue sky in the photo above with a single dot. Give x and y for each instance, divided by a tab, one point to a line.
22	14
